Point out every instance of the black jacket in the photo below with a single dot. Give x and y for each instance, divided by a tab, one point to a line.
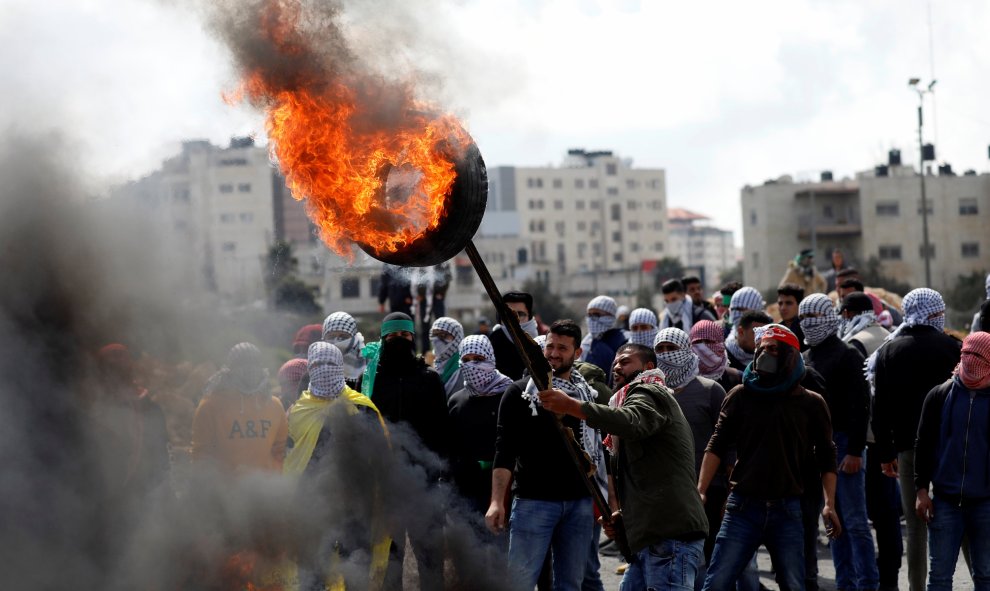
507	358
846	390
397	291
795	326
907	368
410	392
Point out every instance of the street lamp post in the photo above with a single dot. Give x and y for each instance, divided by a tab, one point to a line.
926	246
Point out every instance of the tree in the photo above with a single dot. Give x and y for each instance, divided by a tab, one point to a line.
965	297
547	304
285	290
731	274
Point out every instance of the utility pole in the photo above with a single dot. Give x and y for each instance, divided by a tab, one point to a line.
926	246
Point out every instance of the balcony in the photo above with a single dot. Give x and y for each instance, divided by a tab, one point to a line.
828	226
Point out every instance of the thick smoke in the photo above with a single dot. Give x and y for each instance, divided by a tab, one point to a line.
80	273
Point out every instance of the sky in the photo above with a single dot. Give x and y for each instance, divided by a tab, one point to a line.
719	94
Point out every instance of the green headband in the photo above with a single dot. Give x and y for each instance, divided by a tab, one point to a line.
390	326
726	300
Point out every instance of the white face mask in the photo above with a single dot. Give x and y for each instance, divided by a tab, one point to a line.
345	344
674	308
529	327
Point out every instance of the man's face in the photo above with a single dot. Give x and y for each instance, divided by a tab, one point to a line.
402	334
561	351
788	306
472	357
520	309
842	291
837	258
626	367
673	297
695	292
807	261
641	327
747	337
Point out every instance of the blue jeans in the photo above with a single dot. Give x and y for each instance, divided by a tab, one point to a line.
945	534
750	522
852	552
670	564
536	526
592	576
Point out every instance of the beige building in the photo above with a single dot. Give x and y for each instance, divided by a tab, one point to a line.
215	204
876	215
585	227
703	249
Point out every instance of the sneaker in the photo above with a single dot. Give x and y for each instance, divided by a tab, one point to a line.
621	570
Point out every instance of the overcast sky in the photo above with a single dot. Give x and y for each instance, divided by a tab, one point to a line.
719	94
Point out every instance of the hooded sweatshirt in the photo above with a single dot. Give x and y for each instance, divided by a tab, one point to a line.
240	431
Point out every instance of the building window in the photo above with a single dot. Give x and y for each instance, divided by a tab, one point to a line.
593	184
180	193
375	284
634	247
657	204
617	257
827	212
578	183
596	205
930	208
228	246
654	183
631	183
561	253
612	191
247	217
970	250
658	225
532	204
350	287
596	249
611	169
890	252
557	183
752	217
889	208
227	218
630	205
931	251
226	188
616	210
539	204
967	206
616	236
579	204
595	226
558	204
582	226
234	162
532	226
559	228
534	183
522	256
658	246
634	226
244	187
582	250
541	226
464	275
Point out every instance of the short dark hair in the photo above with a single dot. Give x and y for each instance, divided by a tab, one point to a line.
517	297
672	286
644	353
791	289
690	280
567	328
855	284
730	288
751	317
848	271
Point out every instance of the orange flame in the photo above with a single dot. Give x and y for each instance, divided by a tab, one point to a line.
373	164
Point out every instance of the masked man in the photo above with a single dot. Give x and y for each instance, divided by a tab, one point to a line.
643	327
340	330
604	338
445	338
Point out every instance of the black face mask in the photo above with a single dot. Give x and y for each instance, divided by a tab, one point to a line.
398	351
766	364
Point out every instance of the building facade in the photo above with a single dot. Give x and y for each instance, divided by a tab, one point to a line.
703	249
876	215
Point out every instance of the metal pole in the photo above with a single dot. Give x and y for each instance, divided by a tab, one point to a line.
814	230
924	200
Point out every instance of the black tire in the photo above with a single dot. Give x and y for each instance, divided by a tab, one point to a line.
462	218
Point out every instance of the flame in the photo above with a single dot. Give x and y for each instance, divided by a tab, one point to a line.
374	164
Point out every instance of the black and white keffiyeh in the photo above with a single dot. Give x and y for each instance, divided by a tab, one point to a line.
643	337
591	441
744	299
597	326
733	347
326	370
350	346
856	324
922	306
820	328
480	377
243	371
681	366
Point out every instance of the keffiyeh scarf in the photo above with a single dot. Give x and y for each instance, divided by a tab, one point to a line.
919	304
744	299
853	326
680	366
643	337
326	370
712	359
818	329
480	377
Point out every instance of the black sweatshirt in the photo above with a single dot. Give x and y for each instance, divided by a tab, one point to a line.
846	390
533	448
507	358
473	422
774	435
908	367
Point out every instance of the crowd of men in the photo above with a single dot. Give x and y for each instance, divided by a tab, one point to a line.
711	429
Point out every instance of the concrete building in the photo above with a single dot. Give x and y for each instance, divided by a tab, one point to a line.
215	205
703	249
876	215
584	228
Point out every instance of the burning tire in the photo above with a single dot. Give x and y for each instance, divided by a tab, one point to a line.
462	216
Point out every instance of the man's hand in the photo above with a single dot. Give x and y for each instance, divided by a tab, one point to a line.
923	506
831	519
558	402
495	518
889	469
381	308
607	526
704	497
851	464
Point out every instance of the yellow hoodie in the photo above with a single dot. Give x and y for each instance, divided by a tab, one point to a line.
240	431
